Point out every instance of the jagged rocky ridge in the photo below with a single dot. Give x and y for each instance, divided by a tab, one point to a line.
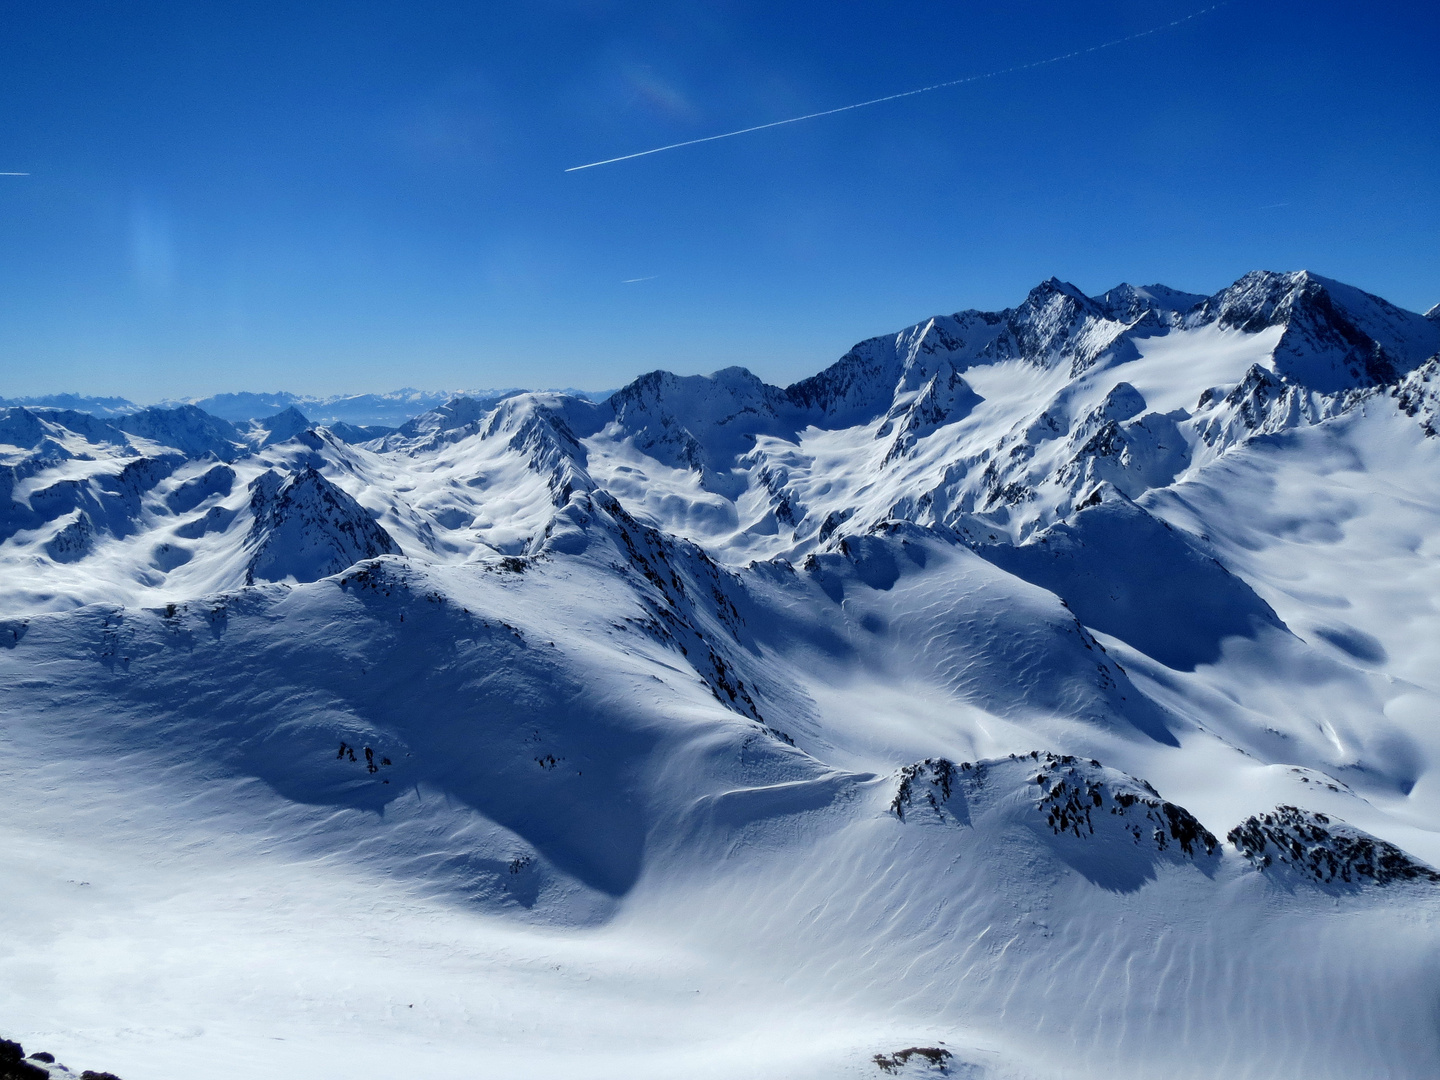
305	528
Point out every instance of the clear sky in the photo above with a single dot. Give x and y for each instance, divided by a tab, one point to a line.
346	197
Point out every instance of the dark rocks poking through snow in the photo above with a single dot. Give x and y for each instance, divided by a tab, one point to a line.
924	780
932	1055
371	766
1317	847
1072	792
15	1066
1418	395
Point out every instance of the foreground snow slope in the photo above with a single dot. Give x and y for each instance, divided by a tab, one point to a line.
944	699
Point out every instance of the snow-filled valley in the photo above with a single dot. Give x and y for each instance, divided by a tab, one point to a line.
1056	690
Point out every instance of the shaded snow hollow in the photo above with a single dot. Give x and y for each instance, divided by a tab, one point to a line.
1039	693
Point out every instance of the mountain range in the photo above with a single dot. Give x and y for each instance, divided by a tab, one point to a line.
1041	693
351	410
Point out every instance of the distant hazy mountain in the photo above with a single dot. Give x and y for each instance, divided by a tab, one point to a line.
389	410
358	410
361	410
99	406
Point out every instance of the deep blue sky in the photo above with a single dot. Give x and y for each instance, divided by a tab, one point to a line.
328	197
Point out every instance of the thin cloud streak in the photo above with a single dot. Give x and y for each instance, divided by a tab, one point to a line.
14	174
633	280
908	93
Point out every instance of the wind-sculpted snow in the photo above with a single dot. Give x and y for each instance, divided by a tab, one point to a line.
217	481
1125	572
724	729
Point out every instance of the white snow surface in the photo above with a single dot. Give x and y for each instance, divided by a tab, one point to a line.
721	729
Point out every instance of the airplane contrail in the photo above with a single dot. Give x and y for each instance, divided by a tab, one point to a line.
909	93
14	174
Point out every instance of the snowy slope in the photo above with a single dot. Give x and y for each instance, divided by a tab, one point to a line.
1054	688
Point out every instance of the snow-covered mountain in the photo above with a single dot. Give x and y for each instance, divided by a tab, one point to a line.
1040	693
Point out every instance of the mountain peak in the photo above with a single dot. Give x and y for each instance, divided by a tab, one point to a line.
289	415
186	427
1335	337
284	425
1053	286
99	406
306	528
1128	302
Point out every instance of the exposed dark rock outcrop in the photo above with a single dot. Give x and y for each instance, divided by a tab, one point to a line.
14	1065
1323	849
1071	794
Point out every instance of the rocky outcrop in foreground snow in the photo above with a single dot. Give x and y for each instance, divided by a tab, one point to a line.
1314	845
15	1065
